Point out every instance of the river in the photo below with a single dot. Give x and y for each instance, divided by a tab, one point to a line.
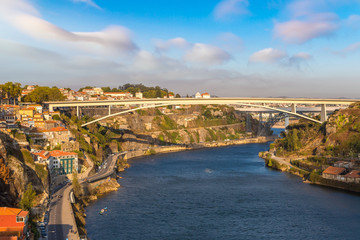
220	193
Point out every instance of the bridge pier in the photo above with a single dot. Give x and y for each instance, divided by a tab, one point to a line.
260	126
109	109
77	111
323	113
287	121
293	108
248	123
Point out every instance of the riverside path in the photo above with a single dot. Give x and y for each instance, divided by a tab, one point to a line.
62	224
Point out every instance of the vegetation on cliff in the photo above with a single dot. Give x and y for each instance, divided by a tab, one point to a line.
310	148
338	137
17	170
145	129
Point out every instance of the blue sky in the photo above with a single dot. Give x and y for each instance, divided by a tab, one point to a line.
300	48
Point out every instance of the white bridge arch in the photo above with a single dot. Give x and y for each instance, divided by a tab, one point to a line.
250	102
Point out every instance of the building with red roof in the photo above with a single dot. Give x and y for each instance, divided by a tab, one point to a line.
13	223
334	173
41	156
205	95
63	162
353	176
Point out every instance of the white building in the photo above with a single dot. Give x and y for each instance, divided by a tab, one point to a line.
139	95
66	162
197	95
119	94
205	95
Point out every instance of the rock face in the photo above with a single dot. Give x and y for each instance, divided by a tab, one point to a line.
15	174
338	137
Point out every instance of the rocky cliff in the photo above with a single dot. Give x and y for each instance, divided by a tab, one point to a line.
339	137
17	170
144	129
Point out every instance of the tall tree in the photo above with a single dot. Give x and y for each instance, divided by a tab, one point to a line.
42	94
76	186
10	90
27	200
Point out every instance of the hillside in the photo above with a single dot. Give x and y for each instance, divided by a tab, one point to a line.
325	154
339	137
167	126
17	170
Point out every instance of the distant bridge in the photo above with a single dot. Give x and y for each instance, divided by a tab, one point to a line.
248	102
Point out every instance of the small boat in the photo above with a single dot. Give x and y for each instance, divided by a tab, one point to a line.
103	210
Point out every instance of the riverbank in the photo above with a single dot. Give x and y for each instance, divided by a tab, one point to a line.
178	196
310	177
122	164
178	148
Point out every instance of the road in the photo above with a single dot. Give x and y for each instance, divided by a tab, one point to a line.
62	223
108	167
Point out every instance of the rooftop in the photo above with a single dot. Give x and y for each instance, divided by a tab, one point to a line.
13	211
57	153
354	174
334	170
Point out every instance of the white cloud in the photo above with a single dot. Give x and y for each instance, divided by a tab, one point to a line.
196	52
348	50
231	7
353	21
9	7
230	42
305	7
88	2
309	20
298	59
271	55
268	55
178	42
207	54
301	31
22	16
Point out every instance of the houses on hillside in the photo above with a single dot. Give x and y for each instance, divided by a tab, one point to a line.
58	162
341	174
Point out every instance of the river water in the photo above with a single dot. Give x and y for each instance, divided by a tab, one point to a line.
220	193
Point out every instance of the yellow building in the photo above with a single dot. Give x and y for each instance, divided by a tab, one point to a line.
27	112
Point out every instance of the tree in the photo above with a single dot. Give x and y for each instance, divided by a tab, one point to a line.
158	92
56	117
26	202
87	87
76	186
42	94
177	96
4	173
10	90
106	89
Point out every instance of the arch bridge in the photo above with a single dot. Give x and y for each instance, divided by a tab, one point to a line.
246	102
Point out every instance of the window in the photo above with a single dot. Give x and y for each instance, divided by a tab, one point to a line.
20	219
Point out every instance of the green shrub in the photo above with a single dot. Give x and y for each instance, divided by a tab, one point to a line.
27	157
42	172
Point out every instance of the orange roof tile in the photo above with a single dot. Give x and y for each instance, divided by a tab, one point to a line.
58	129
57	153
13	211
28	108
43	154
354	174
334	170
